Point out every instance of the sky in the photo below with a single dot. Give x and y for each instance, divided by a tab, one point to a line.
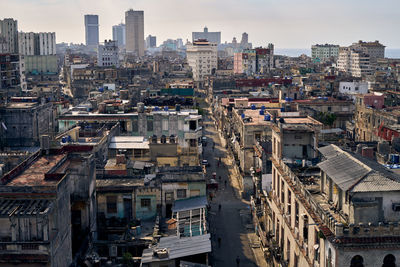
285	23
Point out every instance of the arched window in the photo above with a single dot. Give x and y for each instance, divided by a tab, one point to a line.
389	261
357	261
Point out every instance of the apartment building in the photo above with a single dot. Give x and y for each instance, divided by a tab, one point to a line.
339	212
185	125
324	52
134	26
370	116
251	61
39	51
107	54
354	62
202	58
375	50
47	208
9	36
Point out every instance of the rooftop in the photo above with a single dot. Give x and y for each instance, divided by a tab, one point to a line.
190	204
178	247
356	173
41	172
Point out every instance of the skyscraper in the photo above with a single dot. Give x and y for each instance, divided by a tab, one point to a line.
118	33
151	41
92	29
134	21
8	36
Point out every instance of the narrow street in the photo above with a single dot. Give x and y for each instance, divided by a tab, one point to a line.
232	224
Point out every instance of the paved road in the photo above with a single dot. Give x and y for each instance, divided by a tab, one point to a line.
230	223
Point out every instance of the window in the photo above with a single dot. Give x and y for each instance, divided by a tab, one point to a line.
192	125
181	193
193	142
357	261
111	204
145	203
149	125
296	208
389	261
165	125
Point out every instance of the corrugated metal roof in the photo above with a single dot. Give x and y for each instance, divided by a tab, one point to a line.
190	204
344	170
179	247
329	151
376	182
355	172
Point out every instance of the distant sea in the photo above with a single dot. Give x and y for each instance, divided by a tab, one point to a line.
295	52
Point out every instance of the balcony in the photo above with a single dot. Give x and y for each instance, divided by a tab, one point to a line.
23	252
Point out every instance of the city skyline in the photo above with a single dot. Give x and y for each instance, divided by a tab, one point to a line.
288	23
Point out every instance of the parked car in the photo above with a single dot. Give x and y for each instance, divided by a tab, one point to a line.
204	162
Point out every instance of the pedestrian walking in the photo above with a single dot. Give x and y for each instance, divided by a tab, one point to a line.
219	242
237	261
219	178
219	207
225	183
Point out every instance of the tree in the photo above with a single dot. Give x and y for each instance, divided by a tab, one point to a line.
326	118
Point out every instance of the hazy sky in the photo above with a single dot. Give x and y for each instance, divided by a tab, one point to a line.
286	23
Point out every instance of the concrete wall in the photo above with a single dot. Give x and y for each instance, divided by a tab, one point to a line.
371	257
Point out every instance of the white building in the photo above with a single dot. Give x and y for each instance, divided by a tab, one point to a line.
202	58
35	44
107	54
134	25
324	52
354	62
352	89
8	36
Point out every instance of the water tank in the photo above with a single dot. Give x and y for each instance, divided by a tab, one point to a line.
243	115
281	120
282	109
177	107
69	138
263	107
172	139
253	107
64	139
267	117
156	108
166	108
261	112
163	139
154	139
287	98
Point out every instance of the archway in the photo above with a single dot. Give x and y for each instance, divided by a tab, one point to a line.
389	261
357	261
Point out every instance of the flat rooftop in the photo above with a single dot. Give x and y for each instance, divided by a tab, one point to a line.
34	174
